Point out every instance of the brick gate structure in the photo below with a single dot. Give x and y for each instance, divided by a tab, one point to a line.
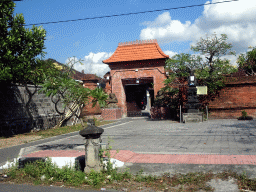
134	67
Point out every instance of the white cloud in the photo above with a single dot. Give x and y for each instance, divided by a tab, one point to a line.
231	58
170	53
239	11
92	63
236	19
164	29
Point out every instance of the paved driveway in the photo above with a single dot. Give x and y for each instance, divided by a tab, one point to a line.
213	136
167	137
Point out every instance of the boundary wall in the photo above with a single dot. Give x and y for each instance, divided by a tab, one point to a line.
238	94
13	116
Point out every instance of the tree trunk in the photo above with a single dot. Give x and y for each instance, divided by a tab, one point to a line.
27	105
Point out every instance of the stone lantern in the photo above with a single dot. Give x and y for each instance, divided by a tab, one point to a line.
92	135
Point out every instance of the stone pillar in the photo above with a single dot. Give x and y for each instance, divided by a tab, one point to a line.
92	146
92	159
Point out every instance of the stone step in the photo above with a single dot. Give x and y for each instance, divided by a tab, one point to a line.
192	117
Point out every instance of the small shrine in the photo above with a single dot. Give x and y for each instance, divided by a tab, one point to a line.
192	106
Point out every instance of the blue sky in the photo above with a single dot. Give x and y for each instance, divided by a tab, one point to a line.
175	30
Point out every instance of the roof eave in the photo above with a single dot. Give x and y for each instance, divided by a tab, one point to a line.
112	62
109	60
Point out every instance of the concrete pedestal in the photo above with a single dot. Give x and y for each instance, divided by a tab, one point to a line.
92	159
192	117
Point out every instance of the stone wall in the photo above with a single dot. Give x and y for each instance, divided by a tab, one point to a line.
13	116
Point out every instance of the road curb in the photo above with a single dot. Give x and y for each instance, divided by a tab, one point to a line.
26	150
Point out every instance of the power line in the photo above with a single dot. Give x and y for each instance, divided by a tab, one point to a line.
124	14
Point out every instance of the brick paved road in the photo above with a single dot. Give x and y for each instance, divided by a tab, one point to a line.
213	136
167	137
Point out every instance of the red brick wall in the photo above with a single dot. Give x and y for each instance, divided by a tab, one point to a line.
120	71
90	85
239	94
111	114
88	109
108	87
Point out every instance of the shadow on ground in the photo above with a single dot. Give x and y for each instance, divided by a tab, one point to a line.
58	146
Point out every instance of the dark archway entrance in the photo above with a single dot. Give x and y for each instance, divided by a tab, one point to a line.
139	97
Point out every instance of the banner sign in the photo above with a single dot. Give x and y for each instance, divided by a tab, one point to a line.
201	90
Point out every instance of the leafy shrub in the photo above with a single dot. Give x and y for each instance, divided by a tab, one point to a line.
244	113
245	116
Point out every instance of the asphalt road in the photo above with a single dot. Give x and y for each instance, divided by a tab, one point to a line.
31	188
13	152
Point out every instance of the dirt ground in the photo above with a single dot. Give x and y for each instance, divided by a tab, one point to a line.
17	140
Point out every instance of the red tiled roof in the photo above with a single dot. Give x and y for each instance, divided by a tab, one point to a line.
90	77
137	50
239	73
78	75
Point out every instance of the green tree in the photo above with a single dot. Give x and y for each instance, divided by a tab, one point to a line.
99	96
19	47
63	89
209	71
180	66
208	67
213	47
248	62
19	51
213	70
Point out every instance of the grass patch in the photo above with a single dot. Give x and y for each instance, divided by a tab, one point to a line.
47	173
65	129
42	134
69	129
59	130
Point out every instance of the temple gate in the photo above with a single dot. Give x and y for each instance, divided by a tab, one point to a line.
137	74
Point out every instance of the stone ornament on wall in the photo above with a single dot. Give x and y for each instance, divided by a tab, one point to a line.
112	101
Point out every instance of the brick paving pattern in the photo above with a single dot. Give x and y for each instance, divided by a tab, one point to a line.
143	141
131	157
